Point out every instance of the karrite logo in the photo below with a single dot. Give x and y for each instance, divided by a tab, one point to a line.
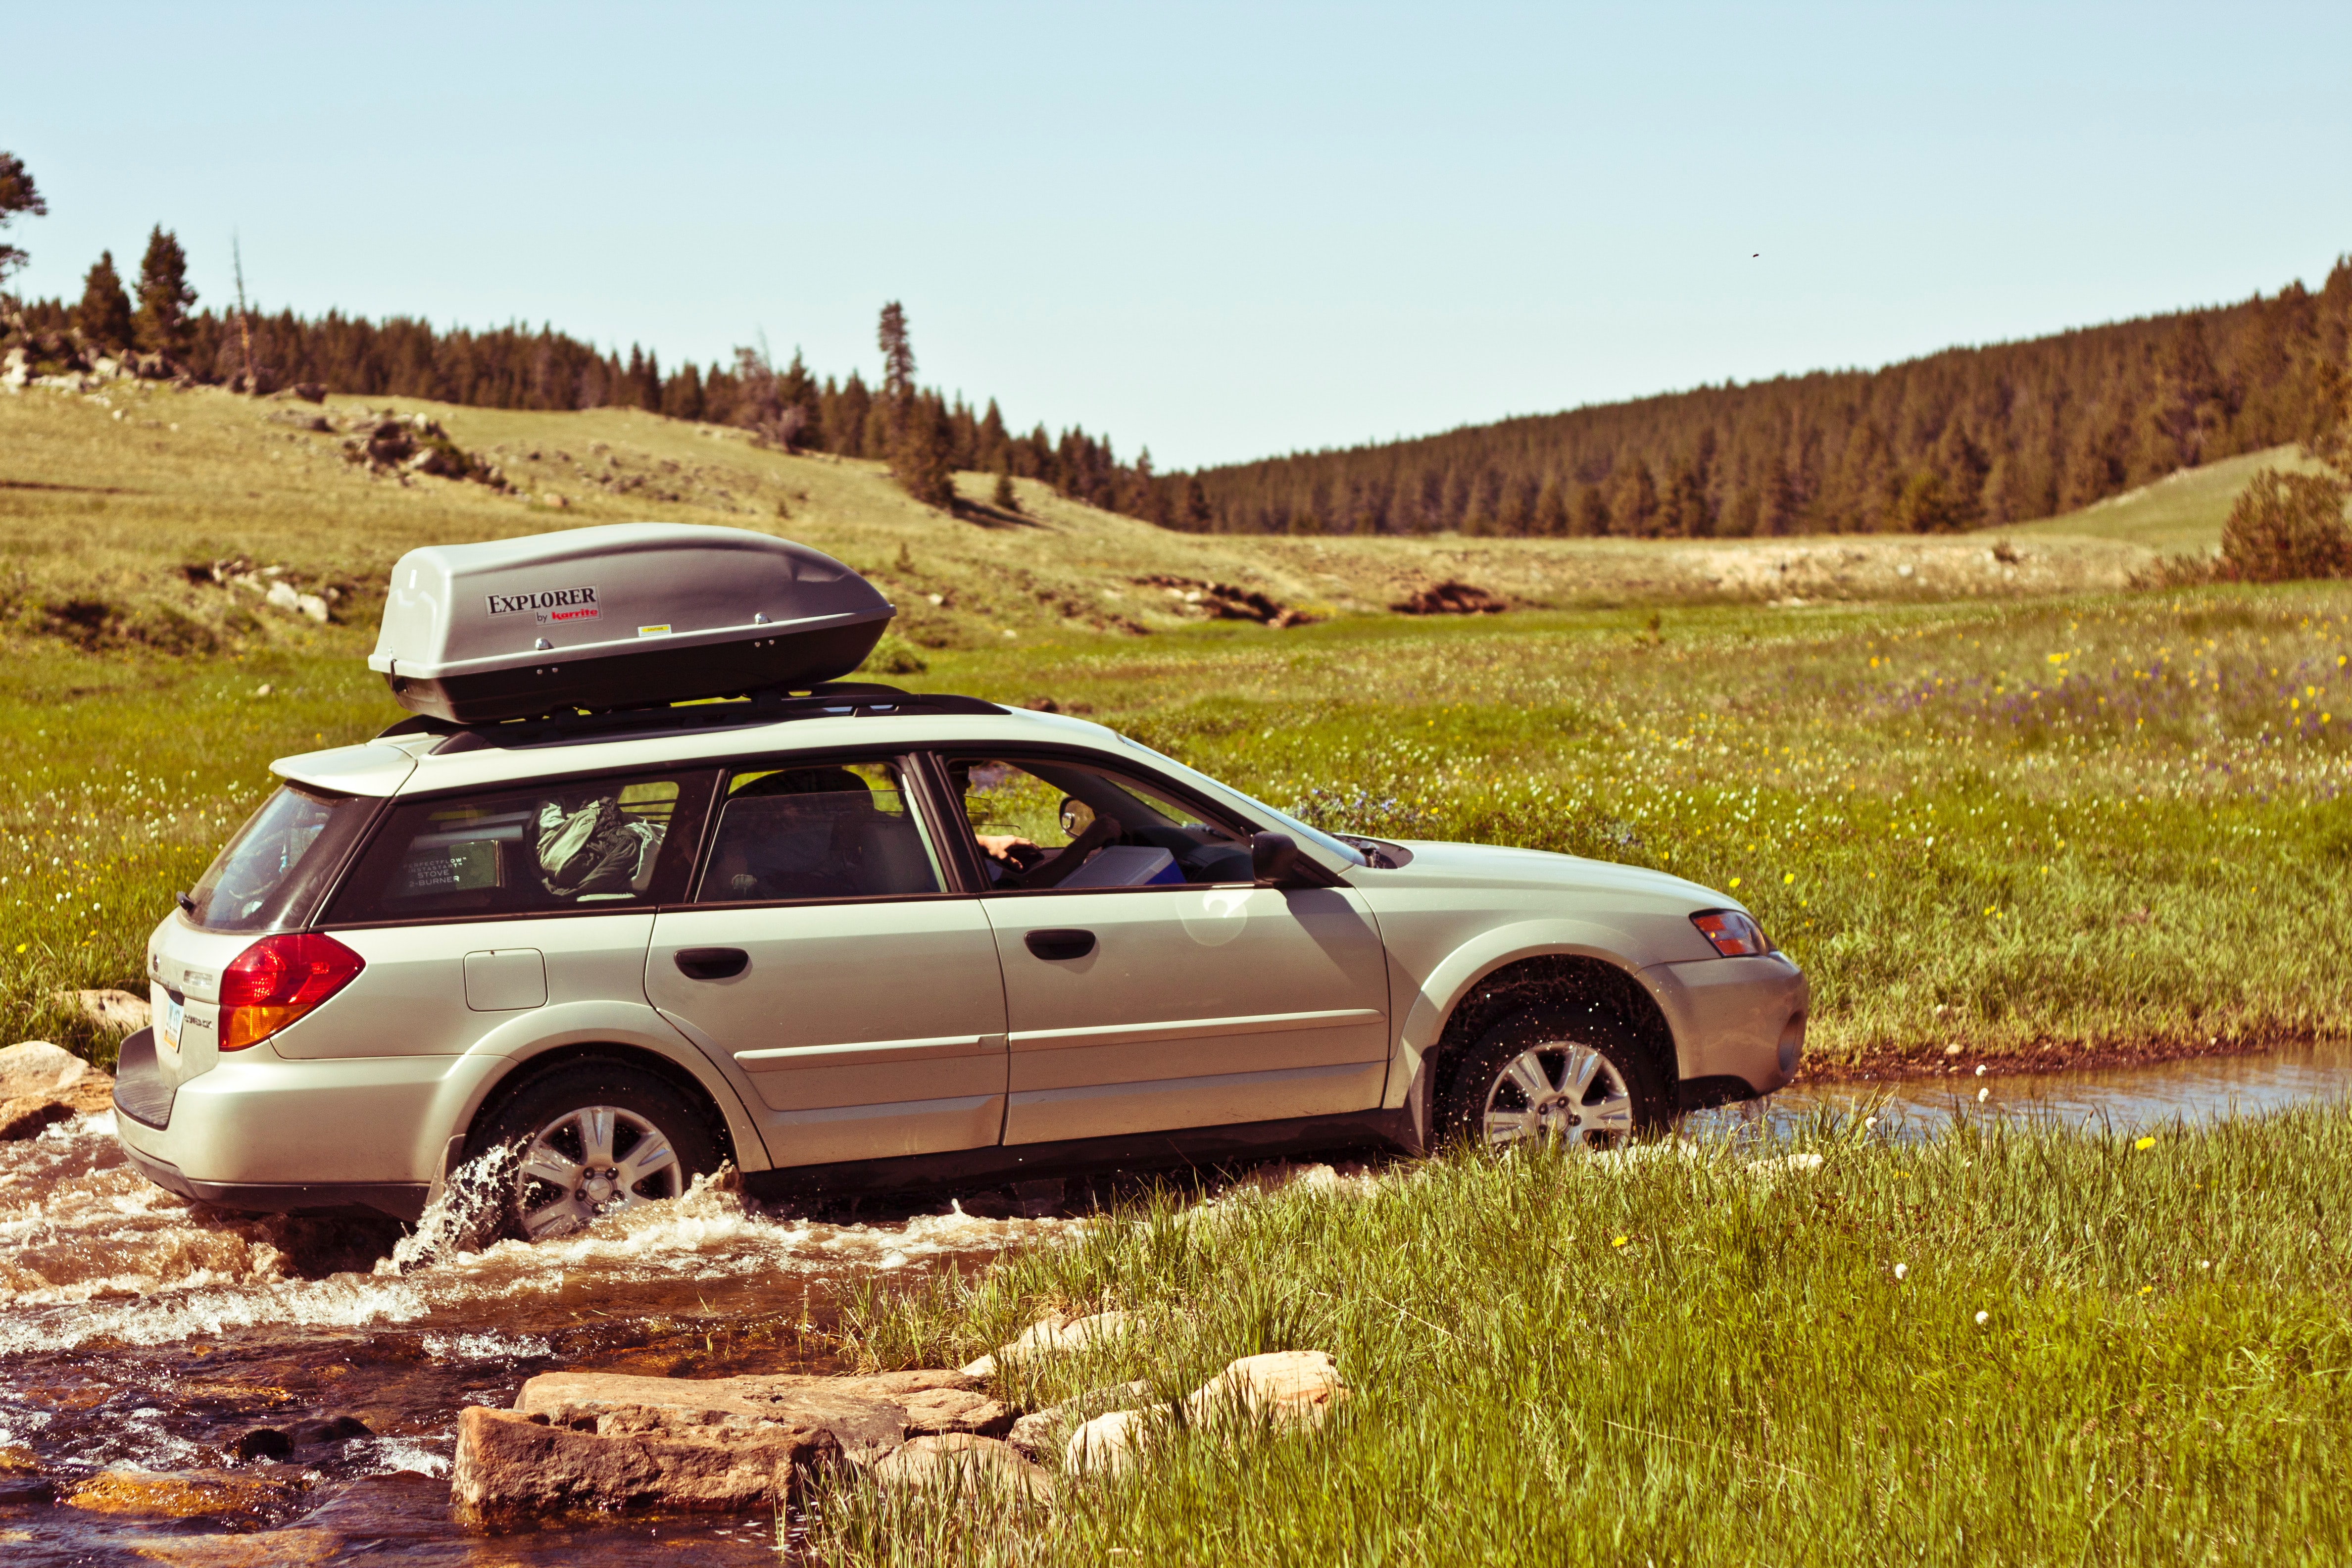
555	604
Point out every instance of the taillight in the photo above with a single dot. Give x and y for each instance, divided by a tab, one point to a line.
1735	935
279	979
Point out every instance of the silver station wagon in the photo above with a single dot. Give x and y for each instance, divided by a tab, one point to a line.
843	937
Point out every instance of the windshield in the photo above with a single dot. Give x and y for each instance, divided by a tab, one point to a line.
273	869
1346	853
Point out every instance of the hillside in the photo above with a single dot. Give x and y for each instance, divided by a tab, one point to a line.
122	510
2001	435
2179	513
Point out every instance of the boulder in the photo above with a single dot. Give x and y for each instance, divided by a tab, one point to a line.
37	1066
608	1441
963	1463
28	1115
510	1464
1051	1335
199	1494
1292	1388
1105	1445
117	1011
1046	1431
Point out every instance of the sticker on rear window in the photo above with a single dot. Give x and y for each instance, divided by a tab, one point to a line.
552	606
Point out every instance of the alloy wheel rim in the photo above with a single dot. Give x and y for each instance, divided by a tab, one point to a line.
589	1162
1558	1091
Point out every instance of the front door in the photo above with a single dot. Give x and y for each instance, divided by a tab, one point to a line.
823	963
1151	985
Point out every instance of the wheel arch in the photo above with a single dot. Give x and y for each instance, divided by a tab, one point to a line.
524	1071
1485	989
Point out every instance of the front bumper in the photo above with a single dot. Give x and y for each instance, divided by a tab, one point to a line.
268	1133
1737	1021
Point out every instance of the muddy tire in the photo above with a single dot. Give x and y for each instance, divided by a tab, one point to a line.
589	1139
1541	1076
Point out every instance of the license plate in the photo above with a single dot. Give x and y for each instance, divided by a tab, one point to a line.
167	1028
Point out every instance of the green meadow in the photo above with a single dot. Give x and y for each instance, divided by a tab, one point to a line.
2041	816
2009	1346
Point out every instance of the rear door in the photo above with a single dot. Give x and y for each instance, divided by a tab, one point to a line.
472	909
826	964
1154	987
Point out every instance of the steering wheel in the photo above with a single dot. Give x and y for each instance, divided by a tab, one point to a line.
1050	871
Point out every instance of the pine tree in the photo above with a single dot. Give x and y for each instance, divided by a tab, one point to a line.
1552	517
1004	498
104	314
165	297
1591	520
897	353
19	197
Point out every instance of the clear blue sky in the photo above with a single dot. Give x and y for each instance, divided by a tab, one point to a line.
1222	231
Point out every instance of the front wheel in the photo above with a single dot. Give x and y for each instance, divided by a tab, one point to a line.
593	1139
1538	1078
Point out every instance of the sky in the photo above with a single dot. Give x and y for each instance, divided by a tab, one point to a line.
1218	231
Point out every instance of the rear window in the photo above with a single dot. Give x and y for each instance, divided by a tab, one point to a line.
275	869
581	845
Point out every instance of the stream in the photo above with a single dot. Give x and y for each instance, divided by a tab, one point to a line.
144	1340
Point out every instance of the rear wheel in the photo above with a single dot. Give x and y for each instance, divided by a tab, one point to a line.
1538	1078
592	1139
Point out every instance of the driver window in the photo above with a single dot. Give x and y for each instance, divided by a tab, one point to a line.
1040	825
842	830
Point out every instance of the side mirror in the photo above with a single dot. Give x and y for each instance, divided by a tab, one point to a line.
1273	857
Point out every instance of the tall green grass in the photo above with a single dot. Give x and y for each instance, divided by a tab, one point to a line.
2100	824
2012	1345
2110	823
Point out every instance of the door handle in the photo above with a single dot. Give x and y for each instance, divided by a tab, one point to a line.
1051	944
712	963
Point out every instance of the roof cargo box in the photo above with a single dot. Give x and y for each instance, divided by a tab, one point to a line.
621	617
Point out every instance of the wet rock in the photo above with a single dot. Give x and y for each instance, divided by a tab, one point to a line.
331	1429
963	1463
21	1481
264	1443
26	1116
301	1547
510	1464
1292	1388
1049	1336
200	1494
607	1441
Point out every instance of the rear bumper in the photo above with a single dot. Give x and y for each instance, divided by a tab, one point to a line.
1736	1020
400	1200
263	1132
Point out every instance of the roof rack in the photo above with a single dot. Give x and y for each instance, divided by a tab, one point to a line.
839	700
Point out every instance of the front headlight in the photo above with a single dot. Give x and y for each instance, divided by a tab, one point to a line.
1734	934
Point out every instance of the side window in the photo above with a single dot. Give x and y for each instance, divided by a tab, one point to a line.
839	830
1040	823
578	844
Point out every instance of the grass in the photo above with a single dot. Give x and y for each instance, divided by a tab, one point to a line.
2111	824
2008	1345
2020	817
2095	825
2181	513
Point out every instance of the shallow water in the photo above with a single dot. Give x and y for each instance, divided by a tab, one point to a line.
141	1333
2197	1090
146	1335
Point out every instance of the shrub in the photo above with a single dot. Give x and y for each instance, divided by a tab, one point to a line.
894	655
2285	527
